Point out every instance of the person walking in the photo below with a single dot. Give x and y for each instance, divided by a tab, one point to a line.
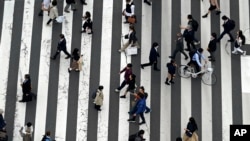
142	90
139	109
137	136
129	11
190	132
45	7
75	58
128	72
2	121
228	25
132	39
188	34
179	47
88	23
239	41
68	4
61	47
212	46
53	14
27	133
47	137
213	6
171	72
99	98
152	57
26	88
131	85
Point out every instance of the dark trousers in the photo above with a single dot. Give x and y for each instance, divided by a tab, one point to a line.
141	115
197	67
97	107
190	43
124	83
58	51
86	24
223	33
212	54
150	64
176	51
147	109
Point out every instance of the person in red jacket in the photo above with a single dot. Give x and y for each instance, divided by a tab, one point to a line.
128	72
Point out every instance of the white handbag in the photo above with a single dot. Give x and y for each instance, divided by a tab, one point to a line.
60	19
131	50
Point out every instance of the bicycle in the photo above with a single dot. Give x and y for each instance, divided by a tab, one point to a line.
208	77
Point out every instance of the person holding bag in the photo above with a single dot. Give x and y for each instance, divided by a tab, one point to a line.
45	7
132	39
129	12
74	64
53	14
190	132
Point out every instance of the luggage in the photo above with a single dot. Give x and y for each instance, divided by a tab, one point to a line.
131	51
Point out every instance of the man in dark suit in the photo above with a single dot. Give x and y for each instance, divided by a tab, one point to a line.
212	46
152	57
26	88
61	47
179	47
227	25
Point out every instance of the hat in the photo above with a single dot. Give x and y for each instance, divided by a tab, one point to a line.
155	44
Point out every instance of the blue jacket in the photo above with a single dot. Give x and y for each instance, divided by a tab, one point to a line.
141	106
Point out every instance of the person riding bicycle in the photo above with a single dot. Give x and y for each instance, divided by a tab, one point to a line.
195	59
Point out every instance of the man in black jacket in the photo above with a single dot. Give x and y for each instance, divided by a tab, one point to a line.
212	46
152	57
228	26
26	88
61	47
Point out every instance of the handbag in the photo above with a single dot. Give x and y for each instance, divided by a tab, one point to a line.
188	133
132	19
131	51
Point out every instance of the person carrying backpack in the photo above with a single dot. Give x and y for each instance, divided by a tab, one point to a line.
137	136
228	25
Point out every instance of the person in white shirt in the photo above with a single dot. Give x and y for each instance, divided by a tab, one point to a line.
196	59
27	133
129	11
45	7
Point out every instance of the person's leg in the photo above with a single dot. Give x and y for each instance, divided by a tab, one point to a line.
146	64
184	53
231	37
124	46
57	52
171	78
66	9
49	21
122	85
188	45
197	67
174	54
40	13
239	50
212	55
147	109
142	118
73	6
66	53
221	35
136	44
155	66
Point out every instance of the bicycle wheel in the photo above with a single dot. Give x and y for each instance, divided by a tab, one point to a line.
184	71
209	78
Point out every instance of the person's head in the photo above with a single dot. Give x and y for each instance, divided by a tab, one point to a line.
141	89
192	120
100	88
200	50
239	32
179	35
224	17
155	45
131	27
141	133
214	35
189	17
47	133
29	124
61	36
54	3
76	50
87	14
128	1
172	61
27	76
178	139
129	66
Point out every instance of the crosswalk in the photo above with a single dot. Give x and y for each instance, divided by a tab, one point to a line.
64	105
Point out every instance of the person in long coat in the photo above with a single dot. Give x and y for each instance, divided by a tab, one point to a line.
27	133
190	132
99	98
26	88
53	13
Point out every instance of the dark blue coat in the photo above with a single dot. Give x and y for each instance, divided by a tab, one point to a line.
153	55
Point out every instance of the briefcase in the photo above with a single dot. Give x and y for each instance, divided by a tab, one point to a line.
131	51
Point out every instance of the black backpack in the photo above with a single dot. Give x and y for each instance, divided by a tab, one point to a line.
231	24
132	137
44	138
195	25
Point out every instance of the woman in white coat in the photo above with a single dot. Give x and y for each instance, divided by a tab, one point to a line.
53	14
99	98
27	133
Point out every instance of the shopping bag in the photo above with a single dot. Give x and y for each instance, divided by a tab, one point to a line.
131	51
60	19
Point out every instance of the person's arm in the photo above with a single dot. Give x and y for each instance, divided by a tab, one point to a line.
217	5
123	70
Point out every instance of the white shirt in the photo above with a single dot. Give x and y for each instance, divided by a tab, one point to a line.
46	4
132	7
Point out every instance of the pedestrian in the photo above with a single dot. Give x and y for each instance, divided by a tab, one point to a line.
75	58
147	2
228	25
45	7
88	23
27	133
139	109
142	90
171	72
137	136
195	59
212	46
131	85
53	14
192	25
239	41
61	47
190	132
83	2
127	72
2	121
213	6
99	98
153	57
68	4
132	39
129	11
188	34
179	47
47	137
26	88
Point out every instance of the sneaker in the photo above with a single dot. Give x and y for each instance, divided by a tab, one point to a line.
204	16
123	96
116	90
67	11
67	57
167	83
131	120
143	122
244	53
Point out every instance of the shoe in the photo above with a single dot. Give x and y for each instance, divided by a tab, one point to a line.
131	120
116	90
230	40
98	109
217	12
69	70
123	96
53	58
147	2
171	57
197	43
126	22
167	83
74	9
22	101
84	3
67	11
142	67
40	14
212	60
186	58
157	69
244	53
209	56
204	16
143	122
148	111
67	57
185	68
171	82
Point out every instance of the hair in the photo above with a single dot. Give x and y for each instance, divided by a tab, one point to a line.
75	51
61	36
172	61
29	124
54	3
243	38
27	76
141	95
190	16
141	132
142	88
224	17
155	44
129	65
200	50
87	13
178	139
100	87
192	121
132	27
47	133
214	35
179	34
128	0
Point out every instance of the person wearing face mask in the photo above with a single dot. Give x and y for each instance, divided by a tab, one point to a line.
132	39
212	46
153	57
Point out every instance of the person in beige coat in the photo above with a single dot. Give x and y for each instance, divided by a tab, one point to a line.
99	98
53	14
27	134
